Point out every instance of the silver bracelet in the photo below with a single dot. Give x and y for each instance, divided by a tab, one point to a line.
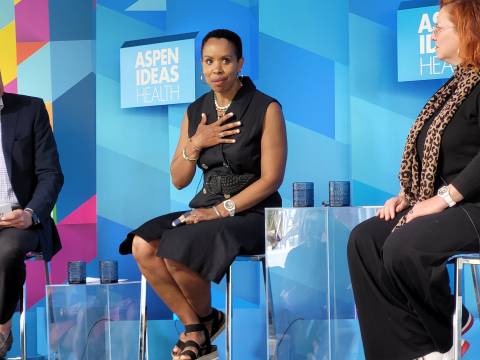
216	211
195	147
186	157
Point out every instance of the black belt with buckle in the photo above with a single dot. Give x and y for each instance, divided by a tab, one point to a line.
227	185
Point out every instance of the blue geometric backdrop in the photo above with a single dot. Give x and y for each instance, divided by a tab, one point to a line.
332	65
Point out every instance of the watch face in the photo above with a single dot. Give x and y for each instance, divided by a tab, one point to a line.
229	205
443	190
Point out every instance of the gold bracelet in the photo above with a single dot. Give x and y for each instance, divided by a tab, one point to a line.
195	147
216	211
186	157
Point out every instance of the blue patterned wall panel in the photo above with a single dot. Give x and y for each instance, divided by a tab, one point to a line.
313	157
364	195
148	5
317	26
7	13
247	3
153	18
307	96
381	12
136	133
129	192
75	115
114	29
65	53
342	104
36	67
64	26
377	144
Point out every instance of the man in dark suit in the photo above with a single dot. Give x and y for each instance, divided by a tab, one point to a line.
30	180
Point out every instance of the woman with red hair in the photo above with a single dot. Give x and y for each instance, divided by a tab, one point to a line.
397	260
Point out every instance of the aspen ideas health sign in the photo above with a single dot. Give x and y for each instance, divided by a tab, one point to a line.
417	58
158	71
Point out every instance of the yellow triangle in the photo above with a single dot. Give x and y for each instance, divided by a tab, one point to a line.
8	55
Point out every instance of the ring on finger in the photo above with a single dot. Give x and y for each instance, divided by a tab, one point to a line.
220	134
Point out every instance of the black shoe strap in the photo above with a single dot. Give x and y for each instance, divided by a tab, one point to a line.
194	328
212	316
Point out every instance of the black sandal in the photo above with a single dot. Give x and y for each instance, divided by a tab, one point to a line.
217	318
180	345
207	351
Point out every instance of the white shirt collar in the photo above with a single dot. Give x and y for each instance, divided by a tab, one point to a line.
1	103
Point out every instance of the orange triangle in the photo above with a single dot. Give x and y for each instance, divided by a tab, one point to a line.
26	49
48	106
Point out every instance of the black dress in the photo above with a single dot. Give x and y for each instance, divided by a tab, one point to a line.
209	247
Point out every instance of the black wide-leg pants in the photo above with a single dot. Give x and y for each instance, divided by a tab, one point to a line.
400	282
14	245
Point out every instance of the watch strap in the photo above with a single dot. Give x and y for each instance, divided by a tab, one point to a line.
230	209
444	193
35	218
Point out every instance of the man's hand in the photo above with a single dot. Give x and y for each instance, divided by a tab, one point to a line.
18	218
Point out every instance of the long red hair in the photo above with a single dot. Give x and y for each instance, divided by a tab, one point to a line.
465	14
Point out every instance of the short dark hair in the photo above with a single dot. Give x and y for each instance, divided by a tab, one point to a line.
228	35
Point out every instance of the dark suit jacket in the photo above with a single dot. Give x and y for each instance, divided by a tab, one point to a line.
32	162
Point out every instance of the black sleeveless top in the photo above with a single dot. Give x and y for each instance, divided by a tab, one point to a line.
242	157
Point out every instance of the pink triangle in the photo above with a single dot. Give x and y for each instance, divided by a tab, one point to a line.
84	214
79	242
12	87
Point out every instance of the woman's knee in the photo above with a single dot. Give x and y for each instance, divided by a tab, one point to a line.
359	236
397	253
173	266
141	249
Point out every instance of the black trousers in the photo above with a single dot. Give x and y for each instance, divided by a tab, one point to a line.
400	282
14	245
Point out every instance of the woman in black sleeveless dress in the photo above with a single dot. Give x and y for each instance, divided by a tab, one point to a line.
236	136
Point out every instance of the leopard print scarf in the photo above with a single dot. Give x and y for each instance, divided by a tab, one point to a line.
415	185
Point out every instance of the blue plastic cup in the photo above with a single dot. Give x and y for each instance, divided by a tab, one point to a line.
303	194
77	272
108	271
339	193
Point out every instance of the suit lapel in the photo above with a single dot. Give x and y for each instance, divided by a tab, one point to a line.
9	124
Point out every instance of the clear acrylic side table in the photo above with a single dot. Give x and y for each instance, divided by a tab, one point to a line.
311	311
93	321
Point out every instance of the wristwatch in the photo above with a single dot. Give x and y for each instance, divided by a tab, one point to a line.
444	193
35	218
229	205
